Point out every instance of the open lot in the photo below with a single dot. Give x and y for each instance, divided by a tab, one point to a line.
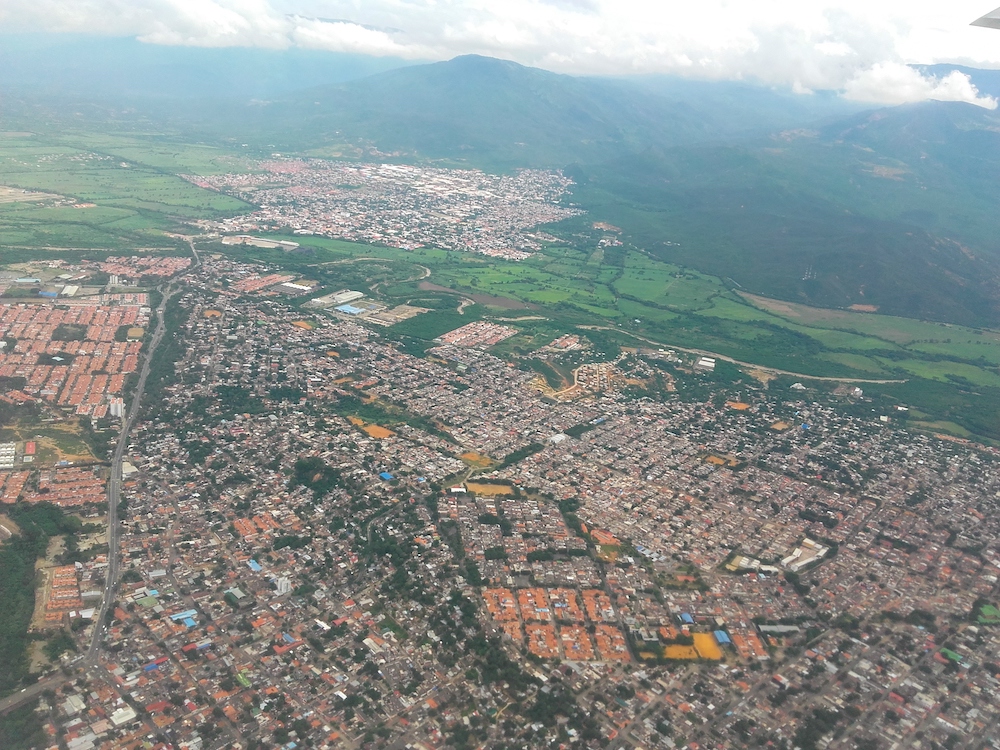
19	195
61	441
489	489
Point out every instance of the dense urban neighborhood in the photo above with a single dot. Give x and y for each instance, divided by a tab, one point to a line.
464	375
325	540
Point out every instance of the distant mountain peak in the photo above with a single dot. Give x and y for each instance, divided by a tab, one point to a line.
484	66
483	60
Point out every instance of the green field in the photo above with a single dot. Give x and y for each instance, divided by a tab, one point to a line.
132	184
684	307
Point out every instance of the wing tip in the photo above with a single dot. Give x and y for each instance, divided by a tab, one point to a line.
989	21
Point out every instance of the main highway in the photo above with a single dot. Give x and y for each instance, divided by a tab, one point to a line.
115	480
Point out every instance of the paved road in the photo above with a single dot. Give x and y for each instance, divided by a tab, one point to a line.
90	658
114	531
31	692
115	488
115	481
724	358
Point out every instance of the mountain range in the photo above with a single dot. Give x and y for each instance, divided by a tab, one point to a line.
500	115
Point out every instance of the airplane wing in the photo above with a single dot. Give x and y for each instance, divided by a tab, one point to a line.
990	20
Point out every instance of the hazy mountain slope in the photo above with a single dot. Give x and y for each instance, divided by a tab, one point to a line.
895	208
478	110
496	113
740	107
489	112
801	197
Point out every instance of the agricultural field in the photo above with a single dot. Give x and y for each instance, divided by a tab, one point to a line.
922	335
158	152
101	192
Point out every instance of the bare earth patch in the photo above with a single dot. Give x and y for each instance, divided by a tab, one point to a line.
7	528
17	195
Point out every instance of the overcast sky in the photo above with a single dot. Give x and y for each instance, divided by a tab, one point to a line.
858	47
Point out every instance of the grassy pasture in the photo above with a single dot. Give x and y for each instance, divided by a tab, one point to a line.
663	297
887	327
158	152
135	201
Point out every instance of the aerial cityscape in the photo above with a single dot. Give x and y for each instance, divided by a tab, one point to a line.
386	380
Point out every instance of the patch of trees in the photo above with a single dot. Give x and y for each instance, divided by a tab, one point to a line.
58	645
541	555
489	519
827	520
17	583
162	371
286	393
69	332
578	429
521	453
793	578
568	509
14	383
198	450
292	542
235	399
313	473
21	729
822	722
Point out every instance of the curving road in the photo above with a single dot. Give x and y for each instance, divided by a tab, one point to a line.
724	358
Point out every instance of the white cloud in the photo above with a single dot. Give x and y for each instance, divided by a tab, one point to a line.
216	23
893	83
343	36
861	47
